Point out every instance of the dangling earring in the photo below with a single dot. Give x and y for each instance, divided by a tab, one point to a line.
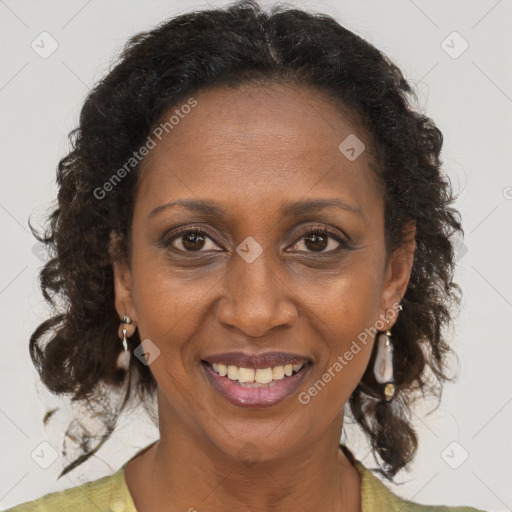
383	368
123	360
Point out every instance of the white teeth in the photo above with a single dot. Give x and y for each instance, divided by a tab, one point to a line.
259	376
232	372
246	375
278	372
263	376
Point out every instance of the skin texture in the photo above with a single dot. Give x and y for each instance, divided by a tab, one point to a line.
250	150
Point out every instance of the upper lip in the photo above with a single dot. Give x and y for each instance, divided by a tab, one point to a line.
264	360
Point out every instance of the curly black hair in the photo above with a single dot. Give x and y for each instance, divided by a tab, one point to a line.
231	46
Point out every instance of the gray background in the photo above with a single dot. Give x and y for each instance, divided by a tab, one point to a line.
468	95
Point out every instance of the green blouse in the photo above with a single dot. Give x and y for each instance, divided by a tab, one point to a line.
111	494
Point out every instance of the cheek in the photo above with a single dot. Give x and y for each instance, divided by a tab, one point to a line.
348	300
343	357
346	308
165	297
167	313
172	309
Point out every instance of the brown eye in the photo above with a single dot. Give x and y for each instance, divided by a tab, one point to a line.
316	242
320	240
192	241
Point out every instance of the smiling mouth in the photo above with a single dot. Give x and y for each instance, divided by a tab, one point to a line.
255	377
255	387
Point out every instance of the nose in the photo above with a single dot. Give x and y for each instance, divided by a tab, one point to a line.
256	299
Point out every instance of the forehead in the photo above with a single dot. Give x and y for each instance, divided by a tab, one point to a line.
255	144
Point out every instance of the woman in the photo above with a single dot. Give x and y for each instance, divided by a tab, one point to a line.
255	210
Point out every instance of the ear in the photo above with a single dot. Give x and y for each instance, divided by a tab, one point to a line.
124	303
398	273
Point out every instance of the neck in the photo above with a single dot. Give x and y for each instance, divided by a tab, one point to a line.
187	471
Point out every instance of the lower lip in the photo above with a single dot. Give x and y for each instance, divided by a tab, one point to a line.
278	390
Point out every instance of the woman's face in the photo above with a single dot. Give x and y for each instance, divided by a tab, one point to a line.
243	276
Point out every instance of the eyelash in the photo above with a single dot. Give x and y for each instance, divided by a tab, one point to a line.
342	241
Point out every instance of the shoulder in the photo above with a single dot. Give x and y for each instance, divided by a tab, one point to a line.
102	495
375	496
106	494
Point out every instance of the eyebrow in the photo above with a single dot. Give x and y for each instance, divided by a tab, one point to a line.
288	209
